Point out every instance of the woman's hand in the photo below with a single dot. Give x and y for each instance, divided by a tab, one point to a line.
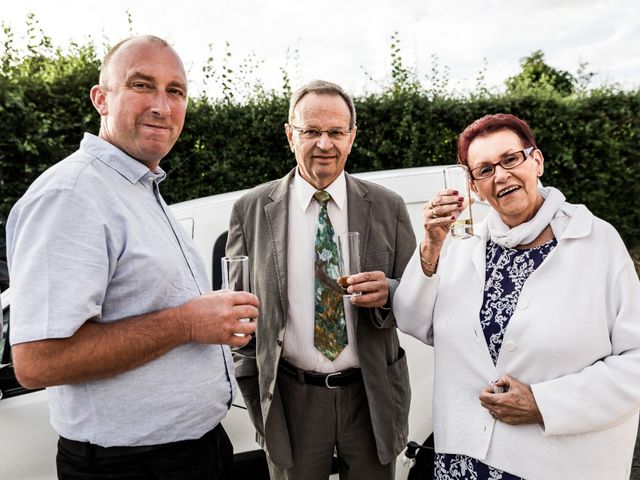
437	216
439	213
516	406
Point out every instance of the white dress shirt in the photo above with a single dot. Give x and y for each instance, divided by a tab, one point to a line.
298	348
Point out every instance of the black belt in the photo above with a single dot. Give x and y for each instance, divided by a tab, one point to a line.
89	450
329	380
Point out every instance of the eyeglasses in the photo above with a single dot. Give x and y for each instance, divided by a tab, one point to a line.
509	161
314	133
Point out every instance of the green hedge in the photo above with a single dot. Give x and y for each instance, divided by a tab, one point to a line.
590	141
44	108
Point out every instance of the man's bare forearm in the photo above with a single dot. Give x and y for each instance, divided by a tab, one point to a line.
101	350
98	350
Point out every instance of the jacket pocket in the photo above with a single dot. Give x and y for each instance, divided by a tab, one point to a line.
400	395
378	261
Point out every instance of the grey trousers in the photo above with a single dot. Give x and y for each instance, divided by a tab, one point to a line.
322	421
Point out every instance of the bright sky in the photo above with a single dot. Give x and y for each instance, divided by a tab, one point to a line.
346	41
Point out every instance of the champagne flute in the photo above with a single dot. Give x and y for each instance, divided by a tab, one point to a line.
348	259
456	177
235	276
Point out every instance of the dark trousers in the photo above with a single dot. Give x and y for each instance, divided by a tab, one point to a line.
207	458
322	421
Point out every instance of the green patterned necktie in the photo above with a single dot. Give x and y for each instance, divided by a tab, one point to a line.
330	331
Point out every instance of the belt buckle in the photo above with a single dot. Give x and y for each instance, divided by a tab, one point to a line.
326	379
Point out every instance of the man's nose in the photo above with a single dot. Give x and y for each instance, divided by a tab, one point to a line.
161	105
324	142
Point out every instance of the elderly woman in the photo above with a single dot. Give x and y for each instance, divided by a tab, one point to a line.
535	323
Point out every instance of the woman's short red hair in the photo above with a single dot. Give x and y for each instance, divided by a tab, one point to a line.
491	124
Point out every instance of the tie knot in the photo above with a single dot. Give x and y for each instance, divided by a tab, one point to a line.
322	196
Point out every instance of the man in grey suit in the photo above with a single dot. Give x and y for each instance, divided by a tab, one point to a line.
324	375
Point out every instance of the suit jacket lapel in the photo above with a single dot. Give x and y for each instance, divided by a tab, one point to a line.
277	215
359	211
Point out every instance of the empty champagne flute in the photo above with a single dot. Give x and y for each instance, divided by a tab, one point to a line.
235	276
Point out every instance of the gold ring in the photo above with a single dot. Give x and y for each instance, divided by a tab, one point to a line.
433	213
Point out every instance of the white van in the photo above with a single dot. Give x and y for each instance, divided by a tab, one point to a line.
27	441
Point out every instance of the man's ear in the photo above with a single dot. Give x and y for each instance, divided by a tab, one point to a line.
289	133
352	138
98	96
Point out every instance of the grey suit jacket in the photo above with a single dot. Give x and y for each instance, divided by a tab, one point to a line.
258	228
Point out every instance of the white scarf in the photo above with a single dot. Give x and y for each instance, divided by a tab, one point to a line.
526	232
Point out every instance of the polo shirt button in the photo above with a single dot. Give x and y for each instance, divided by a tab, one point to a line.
269	396
510	346
523	304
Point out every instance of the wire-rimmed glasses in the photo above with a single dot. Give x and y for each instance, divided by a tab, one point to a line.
315	133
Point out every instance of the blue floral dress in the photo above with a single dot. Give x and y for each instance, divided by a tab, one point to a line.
507	270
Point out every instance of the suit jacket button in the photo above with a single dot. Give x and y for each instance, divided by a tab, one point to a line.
279	342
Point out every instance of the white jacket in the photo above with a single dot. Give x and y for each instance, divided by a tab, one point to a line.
575	337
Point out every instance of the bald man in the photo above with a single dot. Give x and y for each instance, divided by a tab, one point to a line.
111	308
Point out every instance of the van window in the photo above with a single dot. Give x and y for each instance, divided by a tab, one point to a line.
5	337
219	248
